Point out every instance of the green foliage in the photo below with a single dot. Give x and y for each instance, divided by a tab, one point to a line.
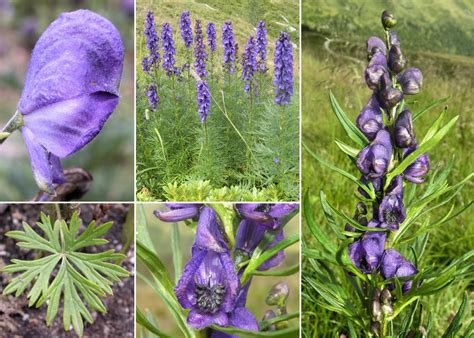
230	157
78	278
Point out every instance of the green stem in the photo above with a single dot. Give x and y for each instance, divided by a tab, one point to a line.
16	122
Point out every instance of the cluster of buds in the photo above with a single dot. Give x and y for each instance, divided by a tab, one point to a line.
277	296
387	123
210	284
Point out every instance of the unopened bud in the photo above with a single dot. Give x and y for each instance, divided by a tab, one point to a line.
269	314
361	208
278	294
386	296
388	20
375	327
396	61
387	309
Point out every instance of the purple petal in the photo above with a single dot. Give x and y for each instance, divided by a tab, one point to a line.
198	320
282	209
66	126
184	290
276	259
208	234
249	235
243	319
176	215
390	262
80	53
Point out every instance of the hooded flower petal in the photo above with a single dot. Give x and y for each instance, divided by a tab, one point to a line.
419	168
177	214
404	134
374	159
411	81
366	252
208	235
46	167
269	215
370	119
375	44
72	82
395	265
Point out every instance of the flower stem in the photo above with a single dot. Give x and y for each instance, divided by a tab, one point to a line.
16	122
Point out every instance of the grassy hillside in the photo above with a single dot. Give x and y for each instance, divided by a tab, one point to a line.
447	63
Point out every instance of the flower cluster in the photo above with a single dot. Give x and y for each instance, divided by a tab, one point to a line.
211	36
203	99
200	55
168	50
391	139
249	63
153	98
210	283
153	58
185	28
229	47
283	77
261	38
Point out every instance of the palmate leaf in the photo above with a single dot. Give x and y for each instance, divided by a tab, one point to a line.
81	279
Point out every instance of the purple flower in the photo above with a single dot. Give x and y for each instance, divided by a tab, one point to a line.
185	28
178	212
396	60
168	49
211	36
388	95
203	99
249	64
366	252
391	210
374	45
248	237
411	81
153	97
403	130
261	45
283	77
376	70
71	89
270	215
208	285
128	7
419	168
228	44
153	57
276	160
370	119
374	159
376	182
395	265
200	55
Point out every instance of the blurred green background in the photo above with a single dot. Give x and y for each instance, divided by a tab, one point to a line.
160	234
110	156
437	36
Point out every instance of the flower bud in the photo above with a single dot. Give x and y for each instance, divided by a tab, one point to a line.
396	60
386	296
375	327
376	311
388	20
404	135
411	81
387	309
419	168
361	208
278	294
391	97
269	314
393	38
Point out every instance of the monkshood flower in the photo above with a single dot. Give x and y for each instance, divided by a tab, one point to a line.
200	55
249	63
153	97
411	81
178	212
261	45
168	50
211	36
248	237
229	46
71	89
153	57
185	29
374	45
208	285
374	159
267	214
388	95
403	130
203	99
367	251
391	209
283	75
376	69
419	168
396	60
395	265
370	119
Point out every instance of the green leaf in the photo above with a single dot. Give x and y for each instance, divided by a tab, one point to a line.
352	131
432	104
423	148
456	323
82	278
369	191
143	236
351	151
176	249
290	332
319	235
143	321
282	318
